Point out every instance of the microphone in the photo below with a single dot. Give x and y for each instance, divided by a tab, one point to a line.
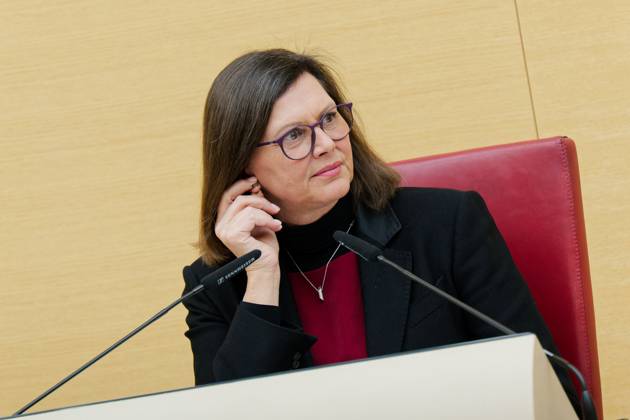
226	272
217	277
369	252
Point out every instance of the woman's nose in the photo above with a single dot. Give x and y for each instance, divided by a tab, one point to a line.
323	142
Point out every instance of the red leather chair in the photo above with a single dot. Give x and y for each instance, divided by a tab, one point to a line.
532	189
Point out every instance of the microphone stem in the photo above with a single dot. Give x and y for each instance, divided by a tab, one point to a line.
588	409
448	297
98	357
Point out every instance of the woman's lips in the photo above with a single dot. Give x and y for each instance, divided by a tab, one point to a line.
329	170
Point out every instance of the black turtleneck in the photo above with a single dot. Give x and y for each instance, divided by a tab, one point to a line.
312	245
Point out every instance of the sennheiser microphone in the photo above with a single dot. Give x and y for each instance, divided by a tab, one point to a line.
226	272
369	252
217	277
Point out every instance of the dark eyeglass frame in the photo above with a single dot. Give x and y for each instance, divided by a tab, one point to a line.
320	124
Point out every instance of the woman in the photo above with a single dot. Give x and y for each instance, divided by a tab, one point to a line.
285	166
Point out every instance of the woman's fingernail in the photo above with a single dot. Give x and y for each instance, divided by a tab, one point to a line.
255	185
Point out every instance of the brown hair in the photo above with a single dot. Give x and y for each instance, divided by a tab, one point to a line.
236	114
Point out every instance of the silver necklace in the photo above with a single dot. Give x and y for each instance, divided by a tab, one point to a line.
319	290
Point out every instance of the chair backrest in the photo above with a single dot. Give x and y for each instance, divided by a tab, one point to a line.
532	189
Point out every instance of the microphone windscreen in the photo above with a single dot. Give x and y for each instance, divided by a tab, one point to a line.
230	269
363	249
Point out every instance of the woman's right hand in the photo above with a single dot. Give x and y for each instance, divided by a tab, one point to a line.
244	223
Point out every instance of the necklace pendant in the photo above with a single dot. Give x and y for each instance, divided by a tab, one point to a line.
320	292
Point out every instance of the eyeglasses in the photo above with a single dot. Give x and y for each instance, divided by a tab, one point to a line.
299	141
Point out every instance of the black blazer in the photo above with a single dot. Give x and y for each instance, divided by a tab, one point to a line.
446	237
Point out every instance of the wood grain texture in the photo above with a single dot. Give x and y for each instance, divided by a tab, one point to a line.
100	118
579	60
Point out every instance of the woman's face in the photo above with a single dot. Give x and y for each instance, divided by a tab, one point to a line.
299	187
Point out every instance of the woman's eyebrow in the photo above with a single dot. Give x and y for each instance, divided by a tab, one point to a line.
282	129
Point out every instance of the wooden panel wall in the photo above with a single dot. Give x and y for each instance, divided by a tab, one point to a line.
578	55
100	117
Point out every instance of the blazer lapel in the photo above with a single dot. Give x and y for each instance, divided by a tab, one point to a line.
386	301
385	291
288	309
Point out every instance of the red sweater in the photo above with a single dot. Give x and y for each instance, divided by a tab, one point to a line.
337	322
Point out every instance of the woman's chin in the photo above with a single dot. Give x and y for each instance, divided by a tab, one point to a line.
335	190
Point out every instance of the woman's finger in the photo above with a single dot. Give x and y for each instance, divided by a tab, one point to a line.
253	200
238	188
238	233
250	218
231	222
241	202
